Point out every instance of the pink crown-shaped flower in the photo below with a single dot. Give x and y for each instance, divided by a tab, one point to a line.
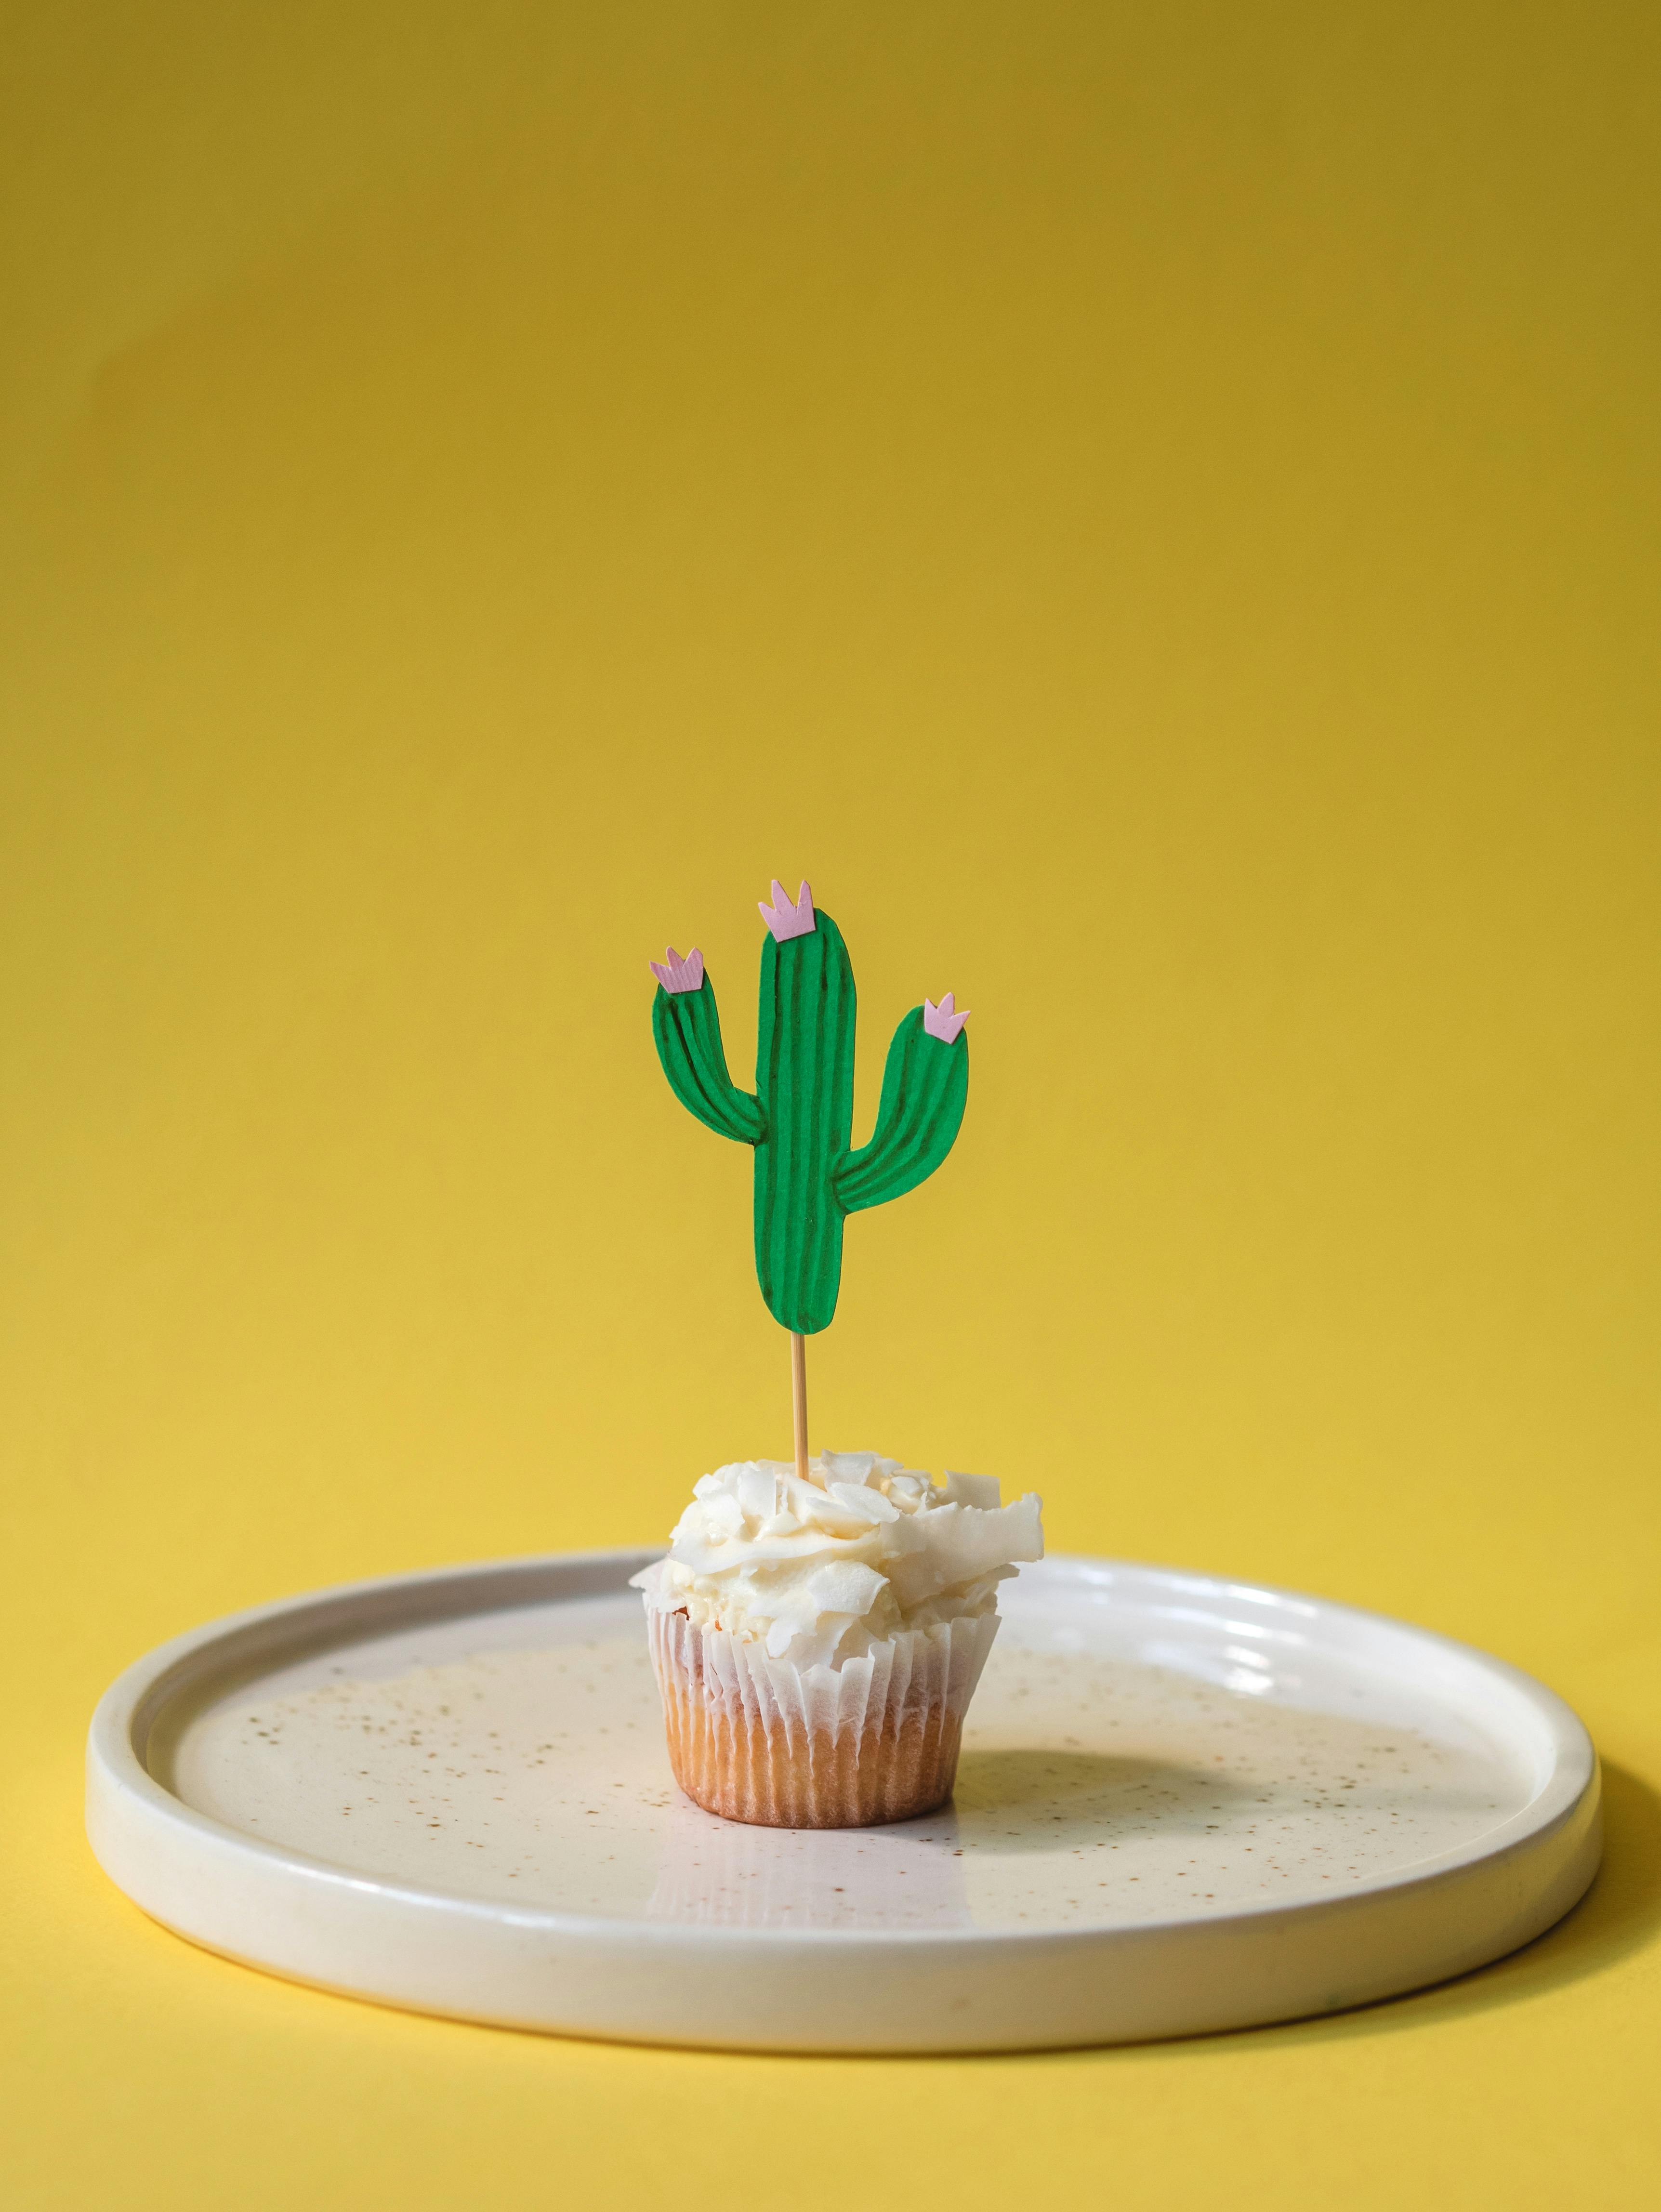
944	1021
678	974
785	920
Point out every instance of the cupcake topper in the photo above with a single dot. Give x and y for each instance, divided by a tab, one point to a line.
799	1119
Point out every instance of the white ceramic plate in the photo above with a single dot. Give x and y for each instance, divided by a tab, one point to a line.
1183	1804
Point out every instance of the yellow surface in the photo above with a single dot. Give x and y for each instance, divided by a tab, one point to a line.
1153	510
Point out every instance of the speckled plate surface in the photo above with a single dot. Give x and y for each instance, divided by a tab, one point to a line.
1183	1804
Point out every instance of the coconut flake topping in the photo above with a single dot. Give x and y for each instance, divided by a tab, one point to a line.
819	1570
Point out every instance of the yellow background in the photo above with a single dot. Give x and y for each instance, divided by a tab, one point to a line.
1153	511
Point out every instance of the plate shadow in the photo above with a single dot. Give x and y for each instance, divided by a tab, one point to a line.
1619	1917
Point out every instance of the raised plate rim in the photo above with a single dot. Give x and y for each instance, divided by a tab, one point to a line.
140	1829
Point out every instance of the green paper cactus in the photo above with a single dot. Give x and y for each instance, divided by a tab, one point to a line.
800	1120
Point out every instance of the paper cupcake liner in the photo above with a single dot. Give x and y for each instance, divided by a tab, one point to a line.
760	1740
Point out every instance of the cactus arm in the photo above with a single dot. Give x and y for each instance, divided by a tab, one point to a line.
925	1087
687	1029
805	1082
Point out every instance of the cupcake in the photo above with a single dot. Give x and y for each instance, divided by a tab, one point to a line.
817	1640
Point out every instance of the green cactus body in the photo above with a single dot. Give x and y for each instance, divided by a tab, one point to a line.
808	1176
688	1032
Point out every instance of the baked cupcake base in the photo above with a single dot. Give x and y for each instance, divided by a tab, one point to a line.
762	1740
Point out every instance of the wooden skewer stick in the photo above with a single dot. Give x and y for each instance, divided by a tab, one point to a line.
799	1399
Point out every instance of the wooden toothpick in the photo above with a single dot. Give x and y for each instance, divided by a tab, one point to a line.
799	1399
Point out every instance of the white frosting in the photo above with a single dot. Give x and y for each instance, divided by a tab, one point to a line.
865	1550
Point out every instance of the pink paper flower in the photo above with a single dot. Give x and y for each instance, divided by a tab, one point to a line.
785	920
678	974
944	1021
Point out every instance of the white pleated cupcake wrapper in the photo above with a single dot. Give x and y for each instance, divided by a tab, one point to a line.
760	1739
